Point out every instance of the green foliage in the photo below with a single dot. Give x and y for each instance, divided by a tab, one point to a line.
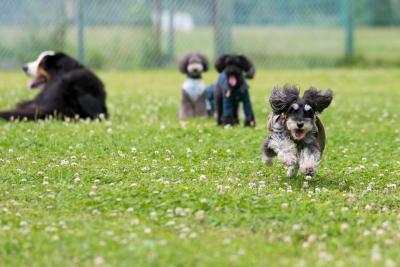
31	44
144	189
381	13
95	59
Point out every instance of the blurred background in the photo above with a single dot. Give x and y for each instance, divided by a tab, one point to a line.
138	34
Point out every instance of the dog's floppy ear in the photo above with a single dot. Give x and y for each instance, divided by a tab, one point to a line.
248	66
204	61
318	100
183	63
220	64
281	100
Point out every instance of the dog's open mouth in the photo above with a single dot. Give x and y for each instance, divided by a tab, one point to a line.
36	82
298	134
232	81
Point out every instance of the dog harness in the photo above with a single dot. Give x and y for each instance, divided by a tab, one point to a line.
194	88
232	97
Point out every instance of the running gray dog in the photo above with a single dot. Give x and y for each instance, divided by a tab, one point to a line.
296	134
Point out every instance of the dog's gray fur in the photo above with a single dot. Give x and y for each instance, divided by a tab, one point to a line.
193	102
304	153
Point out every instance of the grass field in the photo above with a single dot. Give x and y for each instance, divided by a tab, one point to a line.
143	189
273	47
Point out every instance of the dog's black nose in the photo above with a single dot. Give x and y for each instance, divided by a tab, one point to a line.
25	68
300	125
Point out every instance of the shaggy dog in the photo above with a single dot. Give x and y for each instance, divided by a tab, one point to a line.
193	101
231	89
69	90
296	134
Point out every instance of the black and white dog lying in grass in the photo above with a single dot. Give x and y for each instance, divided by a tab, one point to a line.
193	101
296	134
231	88
68	89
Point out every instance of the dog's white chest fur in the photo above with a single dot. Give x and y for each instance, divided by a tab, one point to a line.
194	88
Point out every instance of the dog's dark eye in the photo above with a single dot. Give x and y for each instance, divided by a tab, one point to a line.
309	113
292	110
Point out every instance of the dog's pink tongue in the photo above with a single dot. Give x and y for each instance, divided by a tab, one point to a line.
34	83
31	84
299	134
232	80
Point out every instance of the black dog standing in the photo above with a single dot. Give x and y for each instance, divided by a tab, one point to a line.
69	90
231	89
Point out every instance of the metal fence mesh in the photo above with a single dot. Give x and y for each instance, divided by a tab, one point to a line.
126	34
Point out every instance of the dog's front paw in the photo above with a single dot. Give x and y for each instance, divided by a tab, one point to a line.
309	171
292	170
250	123
268	161
230	120
288	159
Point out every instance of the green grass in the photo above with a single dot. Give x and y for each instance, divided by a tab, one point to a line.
128	192
273	47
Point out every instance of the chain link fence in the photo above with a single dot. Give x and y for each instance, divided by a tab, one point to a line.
127	34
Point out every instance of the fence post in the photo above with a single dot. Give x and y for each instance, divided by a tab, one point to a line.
171	31
222	18
81	36
158	37
349	24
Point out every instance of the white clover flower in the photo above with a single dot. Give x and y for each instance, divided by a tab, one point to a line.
376	253
203	200
380	232
287	239
192	235
368	207
202	177
199	215
170	223
98	261
153	214
305	185
344	227
360	168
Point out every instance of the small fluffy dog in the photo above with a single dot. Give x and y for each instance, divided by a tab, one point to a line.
193	101
69	89
231	89
296	134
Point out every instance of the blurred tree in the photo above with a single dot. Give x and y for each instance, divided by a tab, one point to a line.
380	12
